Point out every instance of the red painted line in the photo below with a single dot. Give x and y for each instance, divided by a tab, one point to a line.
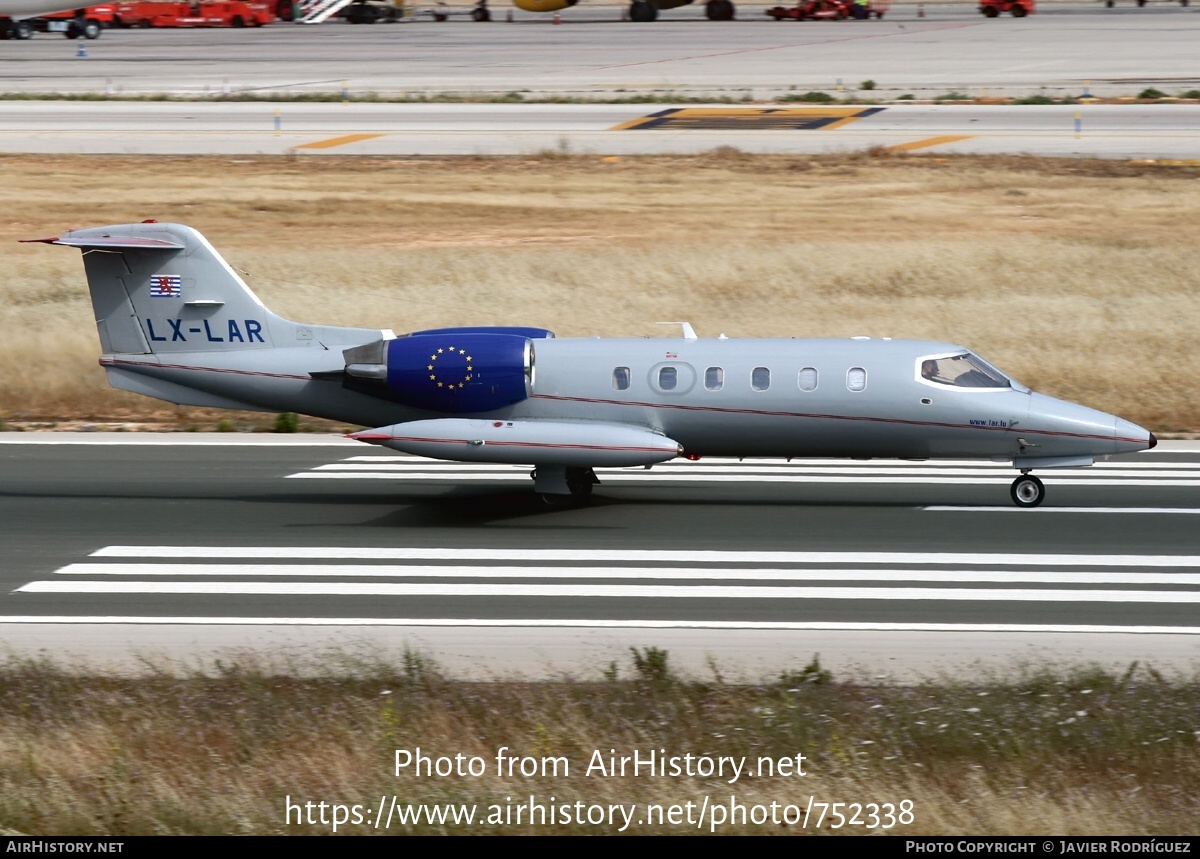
831	417
105	362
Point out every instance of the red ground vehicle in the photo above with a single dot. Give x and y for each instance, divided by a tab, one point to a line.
830	10
89	22
1017	8
210	13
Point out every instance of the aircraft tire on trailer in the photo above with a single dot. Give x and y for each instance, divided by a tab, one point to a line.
1028	491
719	10
642	11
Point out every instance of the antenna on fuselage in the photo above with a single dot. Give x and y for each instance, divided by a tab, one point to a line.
688	332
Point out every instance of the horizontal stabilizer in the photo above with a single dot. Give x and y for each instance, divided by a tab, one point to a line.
111	242
527	442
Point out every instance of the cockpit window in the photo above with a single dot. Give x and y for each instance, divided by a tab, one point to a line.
963	371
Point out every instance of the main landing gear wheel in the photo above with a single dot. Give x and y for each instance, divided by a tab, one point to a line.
719	10
578	481
1028	491
642	11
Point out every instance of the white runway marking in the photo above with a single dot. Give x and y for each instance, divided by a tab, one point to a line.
623	573
601	623
661	556
1135	471
608	591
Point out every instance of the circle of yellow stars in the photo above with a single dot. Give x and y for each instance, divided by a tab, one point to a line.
447	352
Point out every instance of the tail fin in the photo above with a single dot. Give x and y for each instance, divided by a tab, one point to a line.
161	288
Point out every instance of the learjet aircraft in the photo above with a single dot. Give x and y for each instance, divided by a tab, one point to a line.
176	322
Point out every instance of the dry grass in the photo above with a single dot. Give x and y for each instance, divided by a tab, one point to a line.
1082	752
1081	278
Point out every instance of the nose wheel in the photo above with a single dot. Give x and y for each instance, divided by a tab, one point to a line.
1028	491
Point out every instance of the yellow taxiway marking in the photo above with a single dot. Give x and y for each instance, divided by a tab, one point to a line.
931	141
744	118
338	141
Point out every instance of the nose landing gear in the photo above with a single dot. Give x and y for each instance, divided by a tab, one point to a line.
1027	490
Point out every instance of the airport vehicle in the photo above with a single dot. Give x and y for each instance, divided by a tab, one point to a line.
1016	8
206	13
837	10
20	19
88	23
176	322
316	11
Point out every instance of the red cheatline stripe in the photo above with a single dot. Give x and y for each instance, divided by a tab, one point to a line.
150	366
861	418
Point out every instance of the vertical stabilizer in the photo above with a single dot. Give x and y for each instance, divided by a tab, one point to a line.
161	288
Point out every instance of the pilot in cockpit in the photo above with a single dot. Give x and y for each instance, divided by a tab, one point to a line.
929	371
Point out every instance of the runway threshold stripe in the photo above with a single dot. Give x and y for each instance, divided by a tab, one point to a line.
1090	577
338	141
928	142
698	556
716	592
543	623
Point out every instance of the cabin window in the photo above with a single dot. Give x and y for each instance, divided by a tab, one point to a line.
620	378
668	378
760	378
856	379
714	378
808	379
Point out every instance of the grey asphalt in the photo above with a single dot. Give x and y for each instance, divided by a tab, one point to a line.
1066	50
1058	51
1150	131
63	502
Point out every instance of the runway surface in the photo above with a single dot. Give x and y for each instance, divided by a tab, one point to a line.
1065	51
1058	51
158	128
186	544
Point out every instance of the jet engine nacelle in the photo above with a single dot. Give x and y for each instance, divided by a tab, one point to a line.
459	371
544	5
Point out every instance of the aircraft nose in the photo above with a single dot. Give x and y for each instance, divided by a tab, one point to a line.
1130	437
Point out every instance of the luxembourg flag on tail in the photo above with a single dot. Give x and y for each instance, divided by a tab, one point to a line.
165	285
